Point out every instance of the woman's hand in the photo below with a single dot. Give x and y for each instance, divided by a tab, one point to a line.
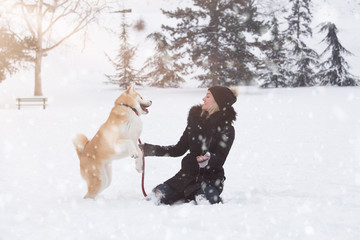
203	160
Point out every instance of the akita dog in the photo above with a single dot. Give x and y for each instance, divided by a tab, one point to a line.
116	138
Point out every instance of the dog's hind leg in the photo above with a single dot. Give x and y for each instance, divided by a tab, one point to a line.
94	176
94	187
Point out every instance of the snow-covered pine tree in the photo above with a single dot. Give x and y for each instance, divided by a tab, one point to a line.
304	59
334	71
162	69
125	73
242	61
211	33
274	72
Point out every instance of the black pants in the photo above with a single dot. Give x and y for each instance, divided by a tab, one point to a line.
167	195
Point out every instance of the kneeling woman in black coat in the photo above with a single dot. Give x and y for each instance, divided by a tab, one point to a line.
208	137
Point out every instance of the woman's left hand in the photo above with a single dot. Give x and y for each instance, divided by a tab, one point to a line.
203	160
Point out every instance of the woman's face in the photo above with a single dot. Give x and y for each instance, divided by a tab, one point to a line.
208	101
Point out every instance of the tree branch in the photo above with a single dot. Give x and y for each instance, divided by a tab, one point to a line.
26	18
82	24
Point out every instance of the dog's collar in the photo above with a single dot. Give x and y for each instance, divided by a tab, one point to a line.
134	109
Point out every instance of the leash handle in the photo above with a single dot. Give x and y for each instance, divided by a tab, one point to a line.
143	171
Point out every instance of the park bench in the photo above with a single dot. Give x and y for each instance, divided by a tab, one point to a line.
31	101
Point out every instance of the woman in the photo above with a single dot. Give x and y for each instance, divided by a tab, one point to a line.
208	137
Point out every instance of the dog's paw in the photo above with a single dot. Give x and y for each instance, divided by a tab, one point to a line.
135	154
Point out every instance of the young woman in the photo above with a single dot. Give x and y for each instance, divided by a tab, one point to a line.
208	137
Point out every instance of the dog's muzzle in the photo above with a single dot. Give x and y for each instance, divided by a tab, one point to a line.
144	107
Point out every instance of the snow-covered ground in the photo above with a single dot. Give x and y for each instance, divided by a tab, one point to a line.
293	171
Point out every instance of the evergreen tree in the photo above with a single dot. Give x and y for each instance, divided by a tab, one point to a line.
304	59
274	72
306	63
335	68
299	19
242	63
125	73
212	35
162	67
13	51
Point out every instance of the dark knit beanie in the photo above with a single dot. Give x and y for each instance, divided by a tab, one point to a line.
223	96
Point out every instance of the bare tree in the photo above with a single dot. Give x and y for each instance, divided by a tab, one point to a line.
51	22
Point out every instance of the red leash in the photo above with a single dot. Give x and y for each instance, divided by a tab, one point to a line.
143	172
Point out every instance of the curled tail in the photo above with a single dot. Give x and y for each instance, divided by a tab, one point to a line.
79	141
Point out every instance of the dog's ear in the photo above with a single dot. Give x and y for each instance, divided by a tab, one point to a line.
131	89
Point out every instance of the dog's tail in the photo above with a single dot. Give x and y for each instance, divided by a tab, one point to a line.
79	141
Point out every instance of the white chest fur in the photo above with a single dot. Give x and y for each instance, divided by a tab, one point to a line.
131	129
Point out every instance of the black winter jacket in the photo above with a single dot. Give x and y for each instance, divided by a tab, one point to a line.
214	135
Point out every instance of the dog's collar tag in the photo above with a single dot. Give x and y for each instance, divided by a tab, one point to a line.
135	111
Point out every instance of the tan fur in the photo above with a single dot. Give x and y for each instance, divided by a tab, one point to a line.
116	138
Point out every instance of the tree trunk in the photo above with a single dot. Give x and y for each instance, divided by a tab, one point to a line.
38	62
215	81
214	53
39	51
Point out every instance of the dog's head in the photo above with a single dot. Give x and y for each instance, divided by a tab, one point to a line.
133	99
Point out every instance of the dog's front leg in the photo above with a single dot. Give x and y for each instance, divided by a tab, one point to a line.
136	153
138	159
139	164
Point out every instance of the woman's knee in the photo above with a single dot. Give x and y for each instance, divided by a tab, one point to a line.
164	194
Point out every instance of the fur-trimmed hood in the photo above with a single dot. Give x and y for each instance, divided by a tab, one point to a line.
225	117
